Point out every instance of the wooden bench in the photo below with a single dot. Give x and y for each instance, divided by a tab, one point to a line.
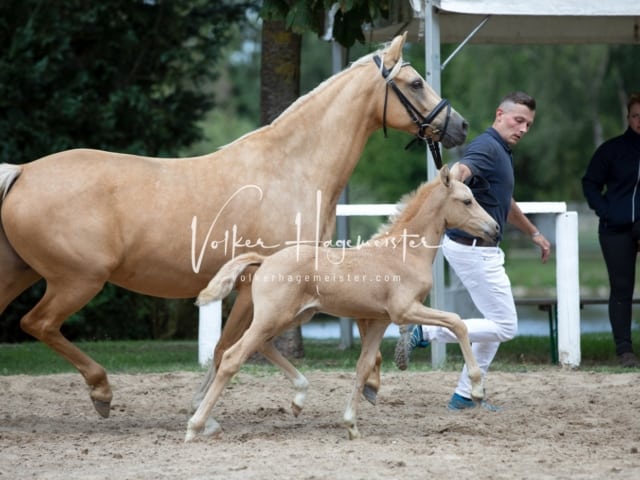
550	305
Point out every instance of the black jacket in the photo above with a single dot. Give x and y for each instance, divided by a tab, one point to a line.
611	182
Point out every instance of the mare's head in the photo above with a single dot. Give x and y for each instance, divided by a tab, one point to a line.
410	104
461	210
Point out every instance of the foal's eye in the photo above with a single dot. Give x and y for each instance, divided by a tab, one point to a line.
468	202
417	84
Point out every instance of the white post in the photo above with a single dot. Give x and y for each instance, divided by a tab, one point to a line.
568	289
432	76
209	327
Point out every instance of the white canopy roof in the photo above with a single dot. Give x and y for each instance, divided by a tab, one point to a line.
519	21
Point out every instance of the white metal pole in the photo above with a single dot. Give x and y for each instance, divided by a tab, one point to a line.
432	74
568	289
209	328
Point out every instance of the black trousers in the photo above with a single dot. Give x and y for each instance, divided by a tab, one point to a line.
620	250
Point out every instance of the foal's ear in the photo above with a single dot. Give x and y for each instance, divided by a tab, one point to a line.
394	53
445	176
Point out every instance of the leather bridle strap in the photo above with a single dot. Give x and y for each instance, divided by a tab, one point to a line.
423	123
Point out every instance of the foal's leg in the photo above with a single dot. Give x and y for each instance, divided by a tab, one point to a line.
231	361
61	299
420	314
299	381
366	362
238	321
371	388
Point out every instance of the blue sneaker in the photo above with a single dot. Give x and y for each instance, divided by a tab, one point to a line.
458	402
408	341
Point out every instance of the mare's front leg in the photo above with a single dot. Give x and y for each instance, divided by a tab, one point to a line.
420	314
372	386
237	323
370	347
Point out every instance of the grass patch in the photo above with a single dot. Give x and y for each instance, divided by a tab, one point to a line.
34	358
521	353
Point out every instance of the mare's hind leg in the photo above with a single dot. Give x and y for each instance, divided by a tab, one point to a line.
238	321
372	386
366	362
16	275
44	322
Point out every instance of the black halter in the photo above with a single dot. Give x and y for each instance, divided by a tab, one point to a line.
426	131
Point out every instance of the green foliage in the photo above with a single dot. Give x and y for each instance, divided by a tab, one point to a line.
121	75
302	16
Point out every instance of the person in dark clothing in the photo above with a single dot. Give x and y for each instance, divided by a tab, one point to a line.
611	186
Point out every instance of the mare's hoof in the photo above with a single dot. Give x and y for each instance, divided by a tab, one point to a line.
370	394
103	408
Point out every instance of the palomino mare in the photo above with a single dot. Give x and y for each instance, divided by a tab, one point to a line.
163	227
385	280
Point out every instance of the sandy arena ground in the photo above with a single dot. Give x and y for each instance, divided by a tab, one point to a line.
555	425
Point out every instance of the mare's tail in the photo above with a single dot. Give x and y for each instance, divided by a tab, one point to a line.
8	175
222	283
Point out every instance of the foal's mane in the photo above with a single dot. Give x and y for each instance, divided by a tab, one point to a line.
408	207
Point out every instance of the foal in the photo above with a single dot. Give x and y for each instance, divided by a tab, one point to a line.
385	280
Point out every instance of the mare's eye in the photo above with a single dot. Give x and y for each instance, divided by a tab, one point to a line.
417	84
468	202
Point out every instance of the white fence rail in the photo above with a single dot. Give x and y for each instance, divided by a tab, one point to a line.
567	281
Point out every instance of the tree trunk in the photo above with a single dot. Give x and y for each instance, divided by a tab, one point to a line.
279	88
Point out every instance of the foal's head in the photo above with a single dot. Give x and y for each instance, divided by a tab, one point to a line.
461	210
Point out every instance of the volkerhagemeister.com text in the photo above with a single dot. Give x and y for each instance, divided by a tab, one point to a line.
319	278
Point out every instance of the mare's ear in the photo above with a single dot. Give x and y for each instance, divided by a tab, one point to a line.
394	52
445	176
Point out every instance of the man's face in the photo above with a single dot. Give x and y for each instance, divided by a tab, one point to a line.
634	117
513	121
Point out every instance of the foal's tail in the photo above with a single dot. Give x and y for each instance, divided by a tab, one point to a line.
222	283
8	175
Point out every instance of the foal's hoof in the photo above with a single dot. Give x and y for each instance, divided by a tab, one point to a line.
296	409
370	394
103	408
211	429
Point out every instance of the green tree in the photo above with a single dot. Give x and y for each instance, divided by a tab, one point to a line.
349	18
129	76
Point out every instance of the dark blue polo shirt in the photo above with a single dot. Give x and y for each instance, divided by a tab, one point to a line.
489	156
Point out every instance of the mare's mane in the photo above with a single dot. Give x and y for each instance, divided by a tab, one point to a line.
304	99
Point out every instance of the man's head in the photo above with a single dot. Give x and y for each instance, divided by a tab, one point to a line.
514	116
633	112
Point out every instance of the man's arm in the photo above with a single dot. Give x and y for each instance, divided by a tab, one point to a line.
520	221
